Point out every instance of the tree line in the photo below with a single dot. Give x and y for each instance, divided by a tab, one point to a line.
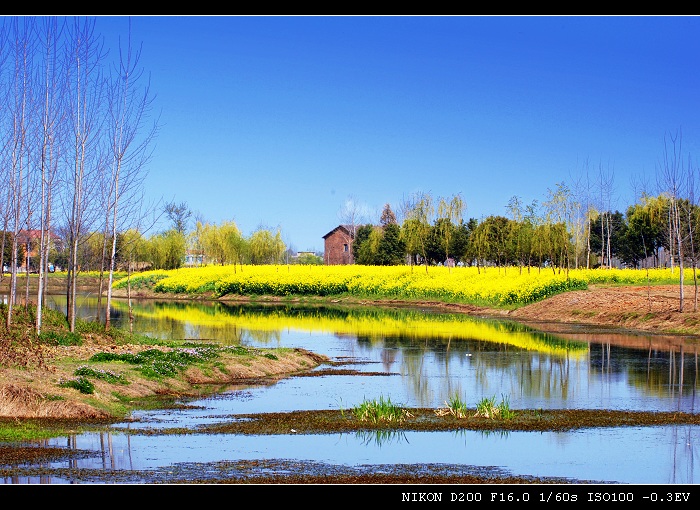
532	236
575	227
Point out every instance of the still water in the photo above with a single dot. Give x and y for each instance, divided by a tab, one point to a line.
417	358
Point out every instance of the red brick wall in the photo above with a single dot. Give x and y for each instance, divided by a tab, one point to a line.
334	248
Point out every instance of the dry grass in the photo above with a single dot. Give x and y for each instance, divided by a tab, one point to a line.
37	393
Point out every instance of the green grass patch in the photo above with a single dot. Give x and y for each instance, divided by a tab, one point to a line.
155	363
64	338
454	406
104	375
12	430
81	384
487	408
382	410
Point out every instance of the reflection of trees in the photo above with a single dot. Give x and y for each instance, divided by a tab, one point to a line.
490	365
266	338
371	323
489	356
671	372
684	454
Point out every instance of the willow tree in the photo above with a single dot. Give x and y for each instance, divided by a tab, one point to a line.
451	210
221	243
418	213
265	247
559	209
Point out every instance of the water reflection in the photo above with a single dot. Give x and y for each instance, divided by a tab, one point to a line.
423	358
638	455
439	355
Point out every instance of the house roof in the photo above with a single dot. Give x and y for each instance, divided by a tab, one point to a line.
347	229
24	236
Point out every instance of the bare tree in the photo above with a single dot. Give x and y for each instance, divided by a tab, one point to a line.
20	104
50	111
691	219
582	217
605	191
85	97
351	216
5	137
179	215
128	105
672	182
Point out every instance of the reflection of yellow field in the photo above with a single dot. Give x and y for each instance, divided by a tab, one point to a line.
373	323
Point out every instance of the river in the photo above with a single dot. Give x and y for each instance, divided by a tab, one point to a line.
418	358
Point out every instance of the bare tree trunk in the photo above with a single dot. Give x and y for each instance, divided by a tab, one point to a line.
20	113
129	107
85	98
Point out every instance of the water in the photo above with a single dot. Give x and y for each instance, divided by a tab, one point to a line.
421	359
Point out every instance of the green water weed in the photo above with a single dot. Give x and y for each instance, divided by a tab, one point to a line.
382	410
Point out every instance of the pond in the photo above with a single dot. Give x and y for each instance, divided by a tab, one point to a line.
416	358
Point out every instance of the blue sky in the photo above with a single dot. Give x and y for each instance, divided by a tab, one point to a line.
277	121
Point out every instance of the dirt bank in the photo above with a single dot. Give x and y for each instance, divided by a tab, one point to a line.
654	309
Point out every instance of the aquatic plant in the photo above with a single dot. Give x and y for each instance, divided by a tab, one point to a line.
487	408
382	410
454	406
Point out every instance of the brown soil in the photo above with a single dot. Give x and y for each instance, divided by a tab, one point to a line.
37	393
654	309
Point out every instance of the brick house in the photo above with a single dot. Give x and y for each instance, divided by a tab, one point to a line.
337	245
30	241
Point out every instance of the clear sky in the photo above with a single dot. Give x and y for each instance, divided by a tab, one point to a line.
277	121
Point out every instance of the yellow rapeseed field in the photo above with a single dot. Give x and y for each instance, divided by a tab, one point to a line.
498	286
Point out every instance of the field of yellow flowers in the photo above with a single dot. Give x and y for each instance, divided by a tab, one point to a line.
494	286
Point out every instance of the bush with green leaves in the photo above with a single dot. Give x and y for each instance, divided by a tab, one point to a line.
81	384
105	375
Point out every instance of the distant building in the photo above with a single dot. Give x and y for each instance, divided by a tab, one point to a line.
30	240
194	258
337	245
